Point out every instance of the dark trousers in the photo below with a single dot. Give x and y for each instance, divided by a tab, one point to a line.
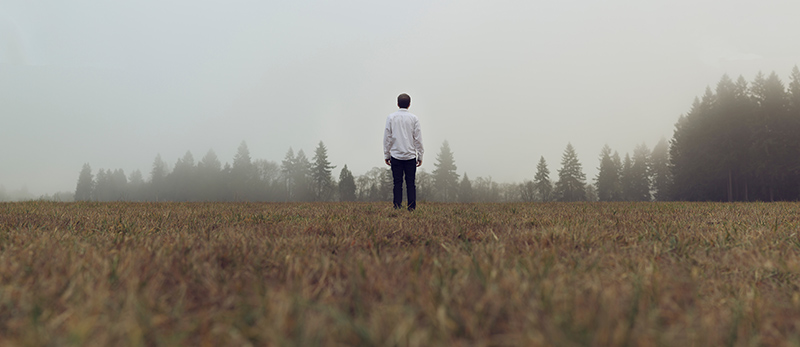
409	169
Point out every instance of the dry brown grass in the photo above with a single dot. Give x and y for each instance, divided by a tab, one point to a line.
363	274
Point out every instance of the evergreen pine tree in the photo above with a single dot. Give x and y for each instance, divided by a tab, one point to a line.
640	176
445	177
102	188
243	174
772	149
347	185
136	186
83	191
686	162
287	175
321	174
119	185
181	179
660	175
209	172
794	91
571	179
793	133
626	179
607	180
301	176
158	177
465	194
242	160
541	181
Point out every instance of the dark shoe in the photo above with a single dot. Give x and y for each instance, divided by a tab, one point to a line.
411	209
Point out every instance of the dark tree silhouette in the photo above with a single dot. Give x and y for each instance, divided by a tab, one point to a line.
243	175
209	178
639	175
321	174
301	176
347	185
158	179
445	178
541	181
287	175
571	179
182	179
85	186
660	176
465	193
738	144
608	185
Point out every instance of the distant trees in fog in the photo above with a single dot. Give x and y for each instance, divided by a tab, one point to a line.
298	178
542	186
740	142
571	184
445	177
347	185
634	178
23	194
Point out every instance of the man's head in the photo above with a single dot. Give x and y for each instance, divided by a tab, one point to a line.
403	100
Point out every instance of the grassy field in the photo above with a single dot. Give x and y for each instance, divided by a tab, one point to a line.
327	274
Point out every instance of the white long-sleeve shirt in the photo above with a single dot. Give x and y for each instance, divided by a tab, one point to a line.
402	138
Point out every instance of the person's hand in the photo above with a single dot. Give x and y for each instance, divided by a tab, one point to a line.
419	163
388	162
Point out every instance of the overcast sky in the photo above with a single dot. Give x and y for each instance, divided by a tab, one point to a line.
505	82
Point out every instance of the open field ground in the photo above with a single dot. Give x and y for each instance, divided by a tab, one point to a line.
364	274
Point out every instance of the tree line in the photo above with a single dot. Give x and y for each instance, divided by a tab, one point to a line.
298	178
740	142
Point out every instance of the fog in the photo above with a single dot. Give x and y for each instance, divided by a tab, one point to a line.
505	82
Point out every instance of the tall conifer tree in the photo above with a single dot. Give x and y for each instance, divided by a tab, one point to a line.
571	179
607	180
158	179
445	177
321	174
640	174
465	190
83	191
287	175
347	185
541	181
660	175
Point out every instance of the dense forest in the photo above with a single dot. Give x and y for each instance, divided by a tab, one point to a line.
739	142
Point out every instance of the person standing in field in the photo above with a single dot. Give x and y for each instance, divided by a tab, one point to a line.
402	150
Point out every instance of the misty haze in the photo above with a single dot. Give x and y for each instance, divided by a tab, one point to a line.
509	86
206	173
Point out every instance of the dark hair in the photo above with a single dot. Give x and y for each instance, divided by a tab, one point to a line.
403	100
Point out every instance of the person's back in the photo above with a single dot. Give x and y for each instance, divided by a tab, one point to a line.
402	150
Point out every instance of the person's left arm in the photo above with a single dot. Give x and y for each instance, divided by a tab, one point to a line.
387	141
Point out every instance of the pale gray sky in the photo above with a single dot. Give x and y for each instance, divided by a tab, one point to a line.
115	83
